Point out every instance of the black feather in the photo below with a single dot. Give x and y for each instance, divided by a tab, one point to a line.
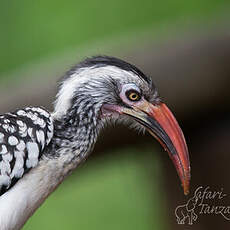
100	61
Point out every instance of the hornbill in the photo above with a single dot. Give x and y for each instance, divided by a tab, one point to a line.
38	149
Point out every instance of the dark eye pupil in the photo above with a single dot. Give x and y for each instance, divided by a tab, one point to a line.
133	95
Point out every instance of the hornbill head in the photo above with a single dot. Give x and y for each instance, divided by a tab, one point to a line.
119	90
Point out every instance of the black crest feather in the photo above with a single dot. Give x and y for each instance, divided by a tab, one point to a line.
100	61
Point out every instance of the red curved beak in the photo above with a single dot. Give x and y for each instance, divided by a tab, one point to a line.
172	139
161	124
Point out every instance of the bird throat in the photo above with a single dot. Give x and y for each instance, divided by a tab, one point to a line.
75	134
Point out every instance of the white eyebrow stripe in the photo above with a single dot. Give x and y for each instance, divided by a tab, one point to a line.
130	86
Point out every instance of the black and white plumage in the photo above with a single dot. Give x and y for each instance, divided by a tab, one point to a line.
23	136
39	149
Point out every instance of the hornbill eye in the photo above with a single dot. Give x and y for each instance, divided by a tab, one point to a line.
133	95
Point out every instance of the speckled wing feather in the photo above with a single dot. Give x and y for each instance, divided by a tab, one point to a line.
23	136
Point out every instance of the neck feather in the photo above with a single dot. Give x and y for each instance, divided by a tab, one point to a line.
75	134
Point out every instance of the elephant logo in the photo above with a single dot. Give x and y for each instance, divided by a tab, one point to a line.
187	211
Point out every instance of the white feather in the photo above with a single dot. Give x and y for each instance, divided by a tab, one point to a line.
20	202
84	75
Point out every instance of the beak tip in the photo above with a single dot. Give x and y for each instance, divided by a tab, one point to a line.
186	191
186	184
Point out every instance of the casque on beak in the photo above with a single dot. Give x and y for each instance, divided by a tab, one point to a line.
161	124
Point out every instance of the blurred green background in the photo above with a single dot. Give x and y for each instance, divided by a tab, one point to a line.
130	187
34	30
